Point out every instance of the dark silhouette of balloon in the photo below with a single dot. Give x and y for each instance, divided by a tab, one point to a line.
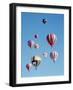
54	55
31	43
51	38
36	60
28	66
44	21
36	46
36	36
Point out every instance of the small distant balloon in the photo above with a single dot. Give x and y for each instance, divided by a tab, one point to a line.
31	43
45	54
54	55
36	46
36	60
36	36
51	38
28	66
44	21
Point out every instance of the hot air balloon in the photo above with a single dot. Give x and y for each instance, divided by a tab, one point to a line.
54	55
51	38
36	46
31	43
45	54
36	60
28	66
36	36
44	21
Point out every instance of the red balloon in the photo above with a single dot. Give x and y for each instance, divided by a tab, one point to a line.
51	38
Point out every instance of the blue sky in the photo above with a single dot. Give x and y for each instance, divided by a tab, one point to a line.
31	25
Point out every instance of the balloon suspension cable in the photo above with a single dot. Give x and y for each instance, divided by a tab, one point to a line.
28	70
54	61
51	46
35	68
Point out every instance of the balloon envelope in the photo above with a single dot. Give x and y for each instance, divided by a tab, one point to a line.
36	46
44	21
51	38
31	43
28	66
36	36
36	60
54	55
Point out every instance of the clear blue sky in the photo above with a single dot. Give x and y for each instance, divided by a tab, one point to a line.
32	24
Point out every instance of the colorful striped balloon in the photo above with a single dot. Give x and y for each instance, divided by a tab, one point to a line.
51	38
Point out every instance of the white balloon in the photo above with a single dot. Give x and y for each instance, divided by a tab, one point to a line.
36	46
54	55
45	54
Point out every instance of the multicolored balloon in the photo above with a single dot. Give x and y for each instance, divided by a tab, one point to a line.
36	36
28	66
31	43
36	46
51	38
54	55
45	54
36	60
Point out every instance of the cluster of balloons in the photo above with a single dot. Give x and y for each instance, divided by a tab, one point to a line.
53	55
51	39
32	44
36	60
